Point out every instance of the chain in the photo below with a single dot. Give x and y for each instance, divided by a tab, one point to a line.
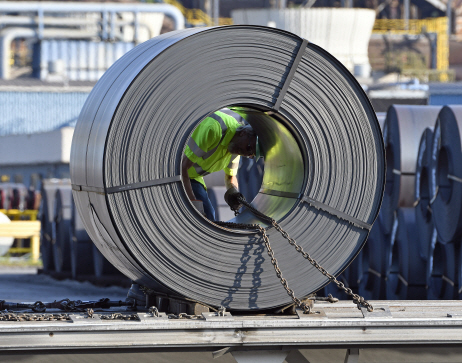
119	316
357	299
13	316
185	316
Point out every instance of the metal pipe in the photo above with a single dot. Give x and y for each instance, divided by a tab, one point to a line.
71	7
9	34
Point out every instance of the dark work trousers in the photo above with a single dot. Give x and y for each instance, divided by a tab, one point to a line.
201	194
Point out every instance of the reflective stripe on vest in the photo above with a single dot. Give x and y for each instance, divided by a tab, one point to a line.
206	154
233	164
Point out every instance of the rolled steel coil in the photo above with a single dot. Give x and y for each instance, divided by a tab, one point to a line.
423	211
441	270
446	175
402	130
324	163
61	229
372	275
406	270
80	246
46	217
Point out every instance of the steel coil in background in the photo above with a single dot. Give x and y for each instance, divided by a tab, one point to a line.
321	140
423	211
61	228
46	217
446	174
441	270
372	273
397	257
401	132
406	270
80	246
14	196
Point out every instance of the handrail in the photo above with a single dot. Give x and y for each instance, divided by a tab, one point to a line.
421	26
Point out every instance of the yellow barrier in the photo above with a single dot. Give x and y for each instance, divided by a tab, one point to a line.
23	229
197	17
420	26
16	214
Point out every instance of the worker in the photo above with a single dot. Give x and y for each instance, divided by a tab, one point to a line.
216	144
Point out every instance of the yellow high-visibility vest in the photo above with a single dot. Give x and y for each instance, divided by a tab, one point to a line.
207	147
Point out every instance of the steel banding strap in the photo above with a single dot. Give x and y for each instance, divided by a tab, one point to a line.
455	178
291	74
123	188
320	206
404	173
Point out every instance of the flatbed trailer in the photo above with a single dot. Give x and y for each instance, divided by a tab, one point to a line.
397	331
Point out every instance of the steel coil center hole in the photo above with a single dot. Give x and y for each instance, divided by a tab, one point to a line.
272	183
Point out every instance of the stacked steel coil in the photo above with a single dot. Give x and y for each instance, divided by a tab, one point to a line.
446	175
402	132
46	216
61	228
423	210
324	163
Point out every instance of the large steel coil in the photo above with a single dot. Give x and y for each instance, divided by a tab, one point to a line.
442	270
446	174
61	228
324	163
423	211
46	217
401	132
81	246
406	270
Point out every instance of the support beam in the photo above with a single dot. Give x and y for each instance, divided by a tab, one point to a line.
295	356
352	356
260	356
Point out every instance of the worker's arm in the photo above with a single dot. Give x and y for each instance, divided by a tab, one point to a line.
231	181
185	165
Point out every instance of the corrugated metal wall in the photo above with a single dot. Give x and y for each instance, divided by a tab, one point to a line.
82	60
344	33
32	112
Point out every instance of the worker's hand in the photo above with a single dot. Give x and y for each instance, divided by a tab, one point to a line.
232	196
199	205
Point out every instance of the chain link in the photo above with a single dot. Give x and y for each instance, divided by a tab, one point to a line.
357	299
13	316
185	316
119	316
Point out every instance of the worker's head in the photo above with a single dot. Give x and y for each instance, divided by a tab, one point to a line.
244	142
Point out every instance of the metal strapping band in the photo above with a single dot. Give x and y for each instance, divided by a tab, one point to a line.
455	178
291	74
403	280
123	188
374	272
448	280
86	188
319	206
278	193
404	173
336	213
436	194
